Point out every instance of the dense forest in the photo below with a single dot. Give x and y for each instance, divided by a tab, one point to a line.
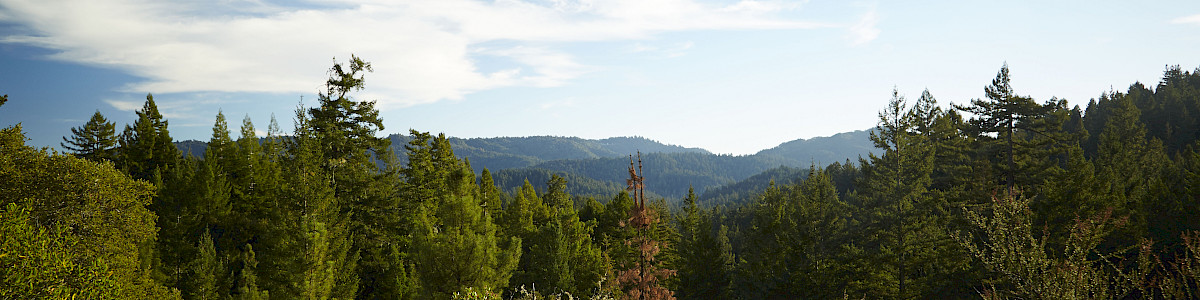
1001	197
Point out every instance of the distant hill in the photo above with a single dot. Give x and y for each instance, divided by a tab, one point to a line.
598	167
194	147
750	187
824	150
670	174
517	152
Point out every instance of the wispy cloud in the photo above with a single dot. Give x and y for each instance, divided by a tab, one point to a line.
866	30
675	50
423	51
124	105
1192	19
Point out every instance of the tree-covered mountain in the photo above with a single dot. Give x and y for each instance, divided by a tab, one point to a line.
516	152
673	173
750	187
823	150
597	167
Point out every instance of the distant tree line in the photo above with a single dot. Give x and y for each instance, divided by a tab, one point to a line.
1003	197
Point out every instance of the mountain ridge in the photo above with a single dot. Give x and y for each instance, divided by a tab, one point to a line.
599	165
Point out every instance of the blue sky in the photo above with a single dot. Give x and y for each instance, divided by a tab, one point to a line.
728	76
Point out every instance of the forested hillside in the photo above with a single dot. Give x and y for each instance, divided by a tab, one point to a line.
674	173
823	150
517	152
594	165
999	197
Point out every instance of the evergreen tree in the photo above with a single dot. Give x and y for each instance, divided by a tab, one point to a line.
706	256
902	224
489	194
455	244
310	257
341	134
205	270
1023	132
558	254
95	141
146	147
1128	167
247	281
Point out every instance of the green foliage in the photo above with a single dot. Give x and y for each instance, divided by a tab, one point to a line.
247	281
98	215
557	251
203	281
146	148
1025	133
1010	248
95	141
37	262
901	225
790	241
732	194
705	255
461	250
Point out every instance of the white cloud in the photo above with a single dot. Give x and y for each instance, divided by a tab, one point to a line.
1192	19
670	51
123	105
761	6
866	30
422	51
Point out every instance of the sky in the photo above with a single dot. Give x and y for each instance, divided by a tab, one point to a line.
732	77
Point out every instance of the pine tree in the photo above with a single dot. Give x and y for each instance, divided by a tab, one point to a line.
558	254
308	253
95	141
